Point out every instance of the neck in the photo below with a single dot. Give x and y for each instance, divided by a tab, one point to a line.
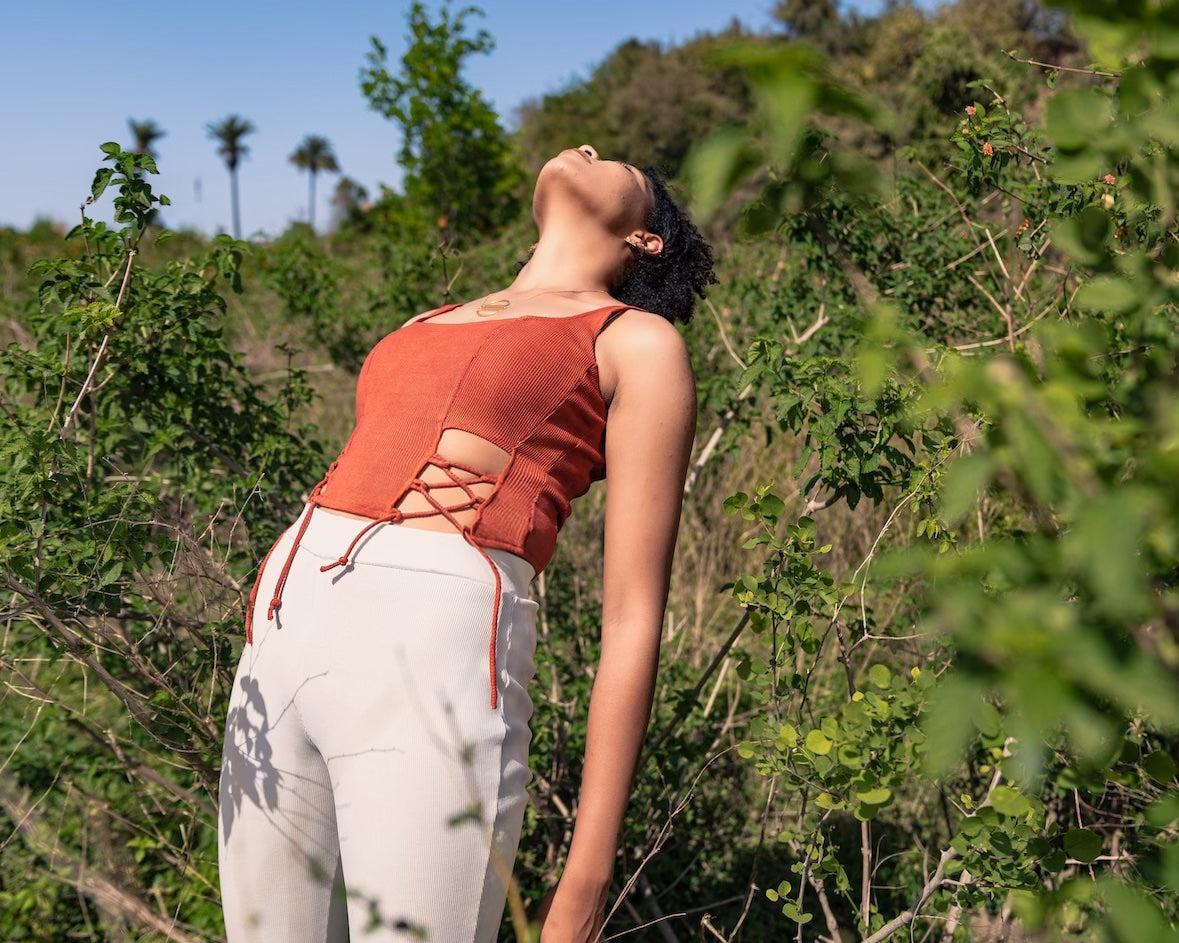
568	259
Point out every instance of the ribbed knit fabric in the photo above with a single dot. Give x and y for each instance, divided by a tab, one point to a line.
362	771
527	384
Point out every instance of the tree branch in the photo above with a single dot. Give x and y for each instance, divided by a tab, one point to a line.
71	868
1061	68
936	880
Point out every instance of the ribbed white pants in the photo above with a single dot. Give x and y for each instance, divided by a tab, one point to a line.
368	789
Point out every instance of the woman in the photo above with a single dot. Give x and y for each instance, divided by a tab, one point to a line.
377	739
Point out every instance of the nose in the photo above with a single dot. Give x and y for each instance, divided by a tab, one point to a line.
589	151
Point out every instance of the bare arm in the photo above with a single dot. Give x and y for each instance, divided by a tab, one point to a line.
648	439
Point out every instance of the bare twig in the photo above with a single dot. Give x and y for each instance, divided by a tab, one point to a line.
691	700
132	700
936	880
660	918
709	448
821	504
1004	310
662	837
1061	68
101	349
643	926
713	442
825	905
706	923
953	196
720	326
761	838
865	872
74	870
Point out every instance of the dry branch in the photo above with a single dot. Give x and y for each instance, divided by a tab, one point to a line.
70	867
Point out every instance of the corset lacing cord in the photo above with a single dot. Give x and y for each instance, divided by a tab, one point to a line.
396	516
276	600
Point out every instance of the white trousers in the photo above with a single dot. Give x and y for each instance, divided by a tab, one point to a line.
369	792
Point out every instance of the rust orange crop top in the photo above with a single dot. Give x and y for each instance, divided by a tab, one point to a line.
528	384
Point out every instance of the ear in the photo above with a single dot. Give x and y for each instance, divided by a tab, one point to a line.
648	243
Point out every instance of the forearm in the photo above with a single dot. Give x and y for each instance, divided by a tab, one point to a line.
620	708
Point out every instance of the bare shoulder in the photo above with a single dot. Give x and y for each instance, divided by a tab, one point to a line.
640	345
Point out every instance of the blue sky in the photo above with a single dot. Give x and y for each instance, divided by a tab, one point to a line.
74	71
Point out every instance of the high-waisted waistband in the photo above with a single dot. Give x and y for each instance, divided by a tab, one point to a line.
385	543
411	548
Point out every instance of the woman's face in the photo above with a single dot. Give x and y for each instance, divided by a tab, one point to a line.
613	191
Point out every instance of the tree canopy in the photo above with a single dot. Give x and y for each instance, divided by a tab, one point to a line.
457	159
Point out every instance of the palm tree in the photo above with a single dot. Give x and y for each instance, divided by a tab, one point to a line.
313	155
146	133
229	133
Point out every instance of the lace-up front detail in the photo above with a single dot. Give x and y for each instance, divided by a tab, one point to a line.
527	385
395	515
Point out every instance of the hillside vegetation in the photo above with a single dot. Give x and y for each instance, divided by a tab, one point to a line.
920	656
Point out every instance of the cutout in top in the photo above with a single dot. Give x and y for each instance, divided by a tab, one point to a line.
465	449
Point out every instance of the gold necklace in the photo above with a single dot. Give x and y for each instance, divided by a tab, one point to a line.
488	308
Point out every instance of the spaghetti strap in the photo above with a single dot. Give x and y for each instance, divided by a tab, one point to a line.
436	312
613	312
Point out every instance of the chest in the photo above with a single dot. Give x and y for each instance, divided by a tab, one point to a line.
507	376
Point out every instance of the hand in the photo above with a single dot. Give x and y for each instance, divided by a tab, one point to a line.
567	916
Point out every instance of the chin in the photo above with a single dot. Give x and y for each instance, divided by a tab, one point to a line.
558	171
569	159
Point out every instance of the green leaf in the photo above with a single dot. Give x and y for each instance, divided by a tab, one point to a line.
716	166
1095	228
947	723
791	910
1009	802
1165	811
1112	294
734	503
877	796
964	481
1082	844
1076	118
102	177
880	676
1133	916
1160	766
818	743
772	507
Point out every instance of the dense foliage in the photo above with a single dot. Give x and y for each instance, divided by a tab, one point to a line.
920	658
458	171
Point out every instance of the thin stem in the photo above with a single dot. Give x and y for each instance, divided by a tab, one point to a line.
1061	68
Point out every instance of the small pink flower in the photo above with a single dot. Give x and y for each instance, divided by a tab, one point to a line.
1110	179
988	150
971	110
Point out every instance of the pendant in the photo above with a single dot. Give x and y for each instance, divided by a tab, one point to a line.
489	308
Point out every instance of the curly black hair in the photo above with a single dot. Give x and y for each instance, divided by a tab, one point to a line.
667	284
